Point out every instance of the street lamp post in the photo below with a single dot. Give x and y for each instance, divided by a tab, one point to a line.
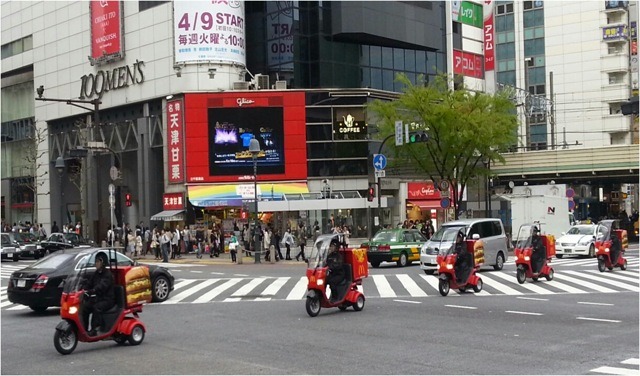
254	149
60	167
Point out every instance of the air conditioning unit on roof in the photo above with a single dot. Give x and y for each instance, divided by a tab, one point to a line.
241	85
262	81
281	85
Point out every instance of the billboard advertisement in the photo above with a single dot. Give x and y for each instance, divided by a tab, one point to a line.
106	30
220	126
209	30
467	13
615	32
468	64
489	33
175	141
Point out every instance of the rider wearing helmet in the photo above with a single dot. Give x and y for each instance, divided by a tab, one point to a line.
539	250
101	285
336	272
616	244
464	261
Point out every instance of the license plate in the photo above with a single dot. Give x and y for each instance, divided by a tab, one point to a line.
21	283
9	255
567	251
374	249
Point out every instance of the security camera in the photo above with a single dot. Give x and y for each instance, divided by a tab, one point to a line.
40	91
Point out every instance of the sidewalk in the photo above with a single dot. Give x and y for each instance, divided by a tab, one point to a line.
223	259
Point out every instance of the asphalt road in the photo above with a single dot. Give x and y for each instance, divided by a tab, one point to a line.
257	324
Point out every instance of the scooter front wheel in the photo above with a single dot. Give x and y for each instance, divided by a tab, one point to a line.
601	265
478	286
65	341
549	276
624	265
521	275
443	287
313	306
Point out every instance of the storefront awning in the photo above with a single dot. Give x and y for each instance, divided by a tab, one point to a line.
220	195
426	204
169	216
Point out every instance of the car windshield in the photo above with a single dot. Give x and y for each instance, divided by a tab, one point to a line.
446	234
385	236
53	261
581	230
24	237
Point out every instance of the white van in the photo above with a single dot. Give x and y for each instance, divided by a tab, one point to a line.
490	231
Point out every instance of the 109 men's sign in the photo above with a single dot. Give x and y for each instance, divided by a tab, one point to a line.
106	80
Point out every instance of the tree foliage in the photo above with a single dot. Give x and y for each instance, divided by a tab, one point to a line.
466	130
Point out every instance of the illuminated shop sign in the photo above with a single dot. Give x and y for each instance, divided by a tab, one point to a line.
468	64
615	32
349	124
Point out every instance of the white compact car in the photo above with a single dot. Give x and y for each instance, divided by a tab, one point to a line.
579	241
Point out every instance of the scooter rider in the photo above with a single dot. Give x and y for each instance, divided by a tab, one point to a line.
539	250
463	261
336	272
616	247
101	285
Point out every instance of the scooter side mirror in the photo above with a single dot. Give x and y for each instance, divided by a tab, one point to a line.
563	233
475	237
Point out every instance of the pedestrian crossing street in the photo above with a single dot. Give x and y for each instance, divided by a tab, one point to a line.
626	367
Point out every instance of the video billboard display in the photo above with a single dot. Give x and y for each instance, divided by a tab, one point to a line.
231	130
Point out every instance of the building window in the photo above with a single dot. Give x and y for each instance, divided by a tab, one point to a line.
17	47
534	47
506	51
505	23
144	5
507	78
533	18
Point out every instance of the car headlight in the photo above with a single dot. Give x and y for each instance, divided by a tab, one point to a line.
557	244
320	282
584	242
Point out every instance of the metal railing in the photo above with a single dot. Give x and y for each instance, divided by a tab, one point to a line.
321	195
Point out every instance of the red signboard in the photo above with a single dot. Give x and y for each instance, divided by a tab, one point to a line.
106	29
467	64
422	191
489	34
175	141
220	126
173	201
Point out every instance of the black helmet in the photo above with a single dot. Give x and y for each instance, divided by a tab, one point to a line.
102	257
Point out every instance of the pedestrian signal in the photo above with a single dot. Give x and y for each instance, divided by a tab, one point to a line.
127	199
371	193
418	136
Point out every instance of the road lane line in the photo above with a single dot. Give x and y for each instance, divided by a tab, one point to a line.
593	319
19	307
525	313
459	306
633	273
214	292
246	289
405	301
605	280
584	283
634	361
190	291
299	290
217	273
529	286
261	299
383	286
498	286
275	286
615	371
527	298
411	286
594	303
239	275
232	300
196	271
433	281
616	276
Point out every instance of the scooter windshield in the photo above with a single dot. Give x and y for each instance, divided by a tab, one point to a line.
318	256
525	237
448	235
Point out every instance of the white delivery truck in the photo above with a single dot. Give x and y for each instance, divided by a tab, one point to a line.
551	211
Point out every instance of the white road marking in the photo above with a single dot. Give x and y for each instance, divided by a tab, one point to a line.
211	294
615	371
183	282
525	313
190	291
232	300
196	271
406	301
299	290
634	361
529	286
275	286
411	286
246	289
594	303
382	284
218	273
607	281
617	276
262	299
433	281
584	283
19	307
459	306
239	275
527	298
5	303
563	286
499	286
593	319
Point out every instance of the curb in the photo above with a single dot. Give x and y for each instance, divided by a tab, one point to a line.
219	261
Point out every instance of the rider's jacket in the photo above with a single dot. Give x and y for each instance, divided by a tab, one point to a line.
101	283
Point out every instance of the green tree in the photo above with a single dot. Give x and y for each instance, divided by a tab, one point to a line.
466	130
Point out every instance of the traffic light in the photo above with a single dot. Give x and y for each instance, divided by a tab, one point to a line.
371	193
418	136
127	199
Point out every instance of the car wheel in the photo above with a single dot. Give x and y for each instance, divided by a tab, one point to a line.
624	265
429	272
160	291
38	309
549	276
592	251
499	262
137	335
375	264
120	340
402	261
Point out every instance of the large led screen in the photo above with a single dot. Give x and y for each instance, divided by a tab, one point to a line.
230	131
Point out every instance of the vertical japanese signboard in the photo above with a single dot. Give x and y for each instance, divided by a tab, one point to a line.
467	64
209	30
489	34
175	144
467	13
106	30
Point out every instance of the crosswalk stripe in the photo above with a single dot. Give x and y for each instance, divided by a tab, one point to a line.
607	281
433	281
583	283
628	272
275	286
299	290
18	307
616	276
634	361
246	289
190	291
411	286
383	286
213	293
499	286
232	300
564	287
615	371
5	303
529	286
181	283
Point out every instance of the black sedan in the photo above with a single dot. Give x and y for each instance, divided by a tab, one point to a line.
40	285
29	244
58	241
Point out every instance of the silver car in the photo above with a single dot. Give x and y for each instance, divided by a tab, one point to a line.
489	230
10	248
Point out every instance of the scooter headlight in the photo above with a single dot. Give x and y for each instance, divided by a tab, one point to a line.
320	282
606	250
73	310
449	266
527	258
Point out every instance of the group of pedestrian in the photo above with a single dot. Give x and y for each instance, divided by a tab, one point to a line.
425	227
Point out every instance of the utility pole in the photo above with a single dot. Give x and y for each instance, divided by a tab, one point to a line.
527	106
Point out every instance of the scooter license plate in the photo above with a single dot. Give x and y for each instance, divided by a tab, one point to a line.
21	283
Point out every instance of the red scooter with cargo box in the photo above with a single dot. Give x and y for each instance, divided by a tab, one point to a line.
611	243
132	287
533	252
329	263
449	277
